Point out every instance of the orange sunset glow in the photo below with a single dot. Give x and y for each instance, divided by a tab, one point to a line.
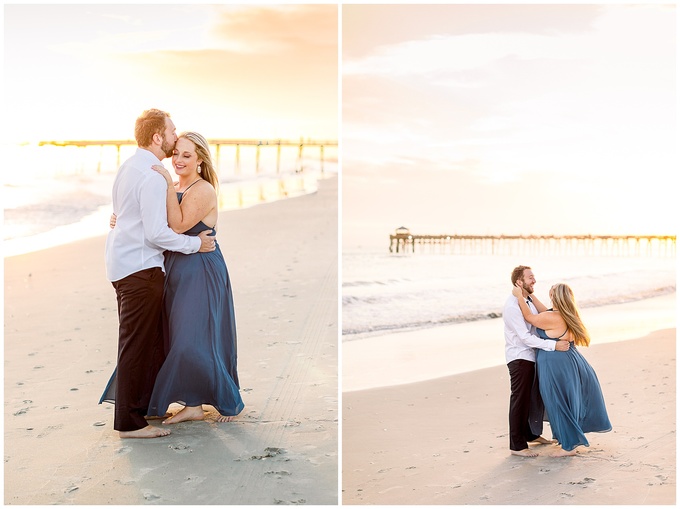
227	71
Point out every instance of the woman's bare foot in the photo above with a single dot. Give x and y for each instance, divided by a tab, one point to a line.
562	453
146	432
188	413
541	440
527	453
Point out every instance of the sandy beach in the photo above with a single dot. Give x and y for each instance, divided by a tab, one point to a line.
60	349
444	439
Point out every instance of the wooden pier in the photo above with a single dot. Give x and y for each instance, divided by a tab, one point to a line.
218	143
602	245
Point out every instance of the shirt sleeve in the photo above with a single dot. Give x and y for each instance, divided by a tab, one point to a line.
152	204
516	322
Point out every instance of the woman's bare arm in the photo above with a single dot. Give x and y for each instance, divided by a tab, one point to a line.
196	203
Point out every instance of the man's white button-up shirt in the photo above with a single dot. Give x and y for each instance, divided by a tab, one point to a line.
141	233
519	340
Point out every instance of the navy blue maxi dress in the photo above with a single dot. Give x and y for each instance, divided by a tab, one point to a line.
200	335
571	394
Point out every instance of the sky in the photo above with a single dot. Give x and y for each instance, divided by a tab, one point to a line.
86	71
508	119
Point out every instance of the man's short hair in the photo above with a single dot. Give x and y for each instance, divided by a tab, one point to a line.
149	123
518	273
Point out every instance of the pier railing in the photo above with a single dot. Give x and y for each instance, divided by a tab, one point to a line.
608	245
302	146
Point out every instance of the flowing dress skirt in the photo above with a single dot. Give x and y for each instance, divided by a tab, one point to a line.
200	367
572	396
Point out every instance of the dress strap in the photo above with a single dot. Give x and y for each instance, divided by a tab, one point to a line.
564	333
191	185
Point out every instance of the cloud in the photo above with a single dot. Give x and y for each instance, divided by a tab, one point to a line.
368	27
278	29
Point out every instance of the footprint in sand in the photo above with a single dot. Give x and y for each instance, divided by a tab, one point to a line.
180	448
586	480
151	496
49	430
269	452
279	473
22	411
123	450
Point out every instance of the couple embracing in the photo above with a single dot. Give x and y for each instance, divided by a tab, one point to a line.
177	331
548	375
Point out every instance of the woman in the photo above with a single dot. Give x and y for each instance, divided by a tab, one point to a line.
568	384
200	367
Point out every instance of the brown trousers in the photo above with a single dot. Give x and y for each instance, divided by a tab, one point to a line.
140	345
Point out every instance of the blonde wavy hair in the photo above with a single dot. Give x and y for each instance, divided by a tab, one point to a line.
564	303
203	152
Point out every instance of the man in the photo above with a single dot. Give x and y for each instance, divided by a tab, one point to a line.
134	265
526	406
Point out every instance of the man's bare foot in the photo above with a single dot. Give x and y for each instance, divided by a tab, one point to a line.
541	440
527	453
562	453
146	432
226	418
188	413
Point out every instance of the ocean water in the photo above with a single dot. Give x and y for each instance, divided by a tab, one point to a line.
58	195
384	292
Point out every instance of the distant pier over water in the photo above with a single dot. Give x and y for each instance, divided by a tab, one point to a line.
301	146
403	241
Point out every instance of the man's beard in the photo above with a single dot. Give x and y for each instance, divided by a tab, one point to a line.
167	148
527	289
